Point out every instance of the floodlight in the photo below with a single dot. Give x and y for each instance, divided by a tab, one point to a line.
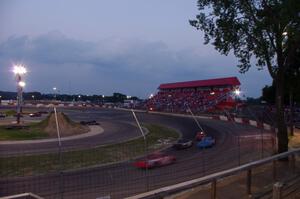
237	92
22	84
19	70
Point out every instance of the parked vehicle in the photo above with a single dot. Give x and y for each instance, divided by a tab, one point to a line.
43	112
35	114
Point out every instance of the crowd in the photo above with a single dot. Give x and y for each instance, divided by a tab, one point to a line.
179	100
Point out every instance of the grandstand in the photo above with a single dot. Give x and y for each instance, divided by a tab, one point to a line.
200	95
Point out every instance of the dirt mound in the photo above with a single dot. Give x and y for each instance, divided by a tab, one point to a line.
66	126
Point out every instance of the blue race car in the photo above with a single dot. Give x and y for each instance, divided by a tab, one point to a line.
206	142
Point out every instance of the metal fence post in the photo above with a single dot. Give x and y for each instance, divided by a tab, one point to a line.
145	148
277	190
249	181
61	181
214	189
293	163
274	170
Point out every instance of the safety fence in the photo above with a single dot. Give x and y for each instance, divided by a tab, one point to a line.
108	171
278	189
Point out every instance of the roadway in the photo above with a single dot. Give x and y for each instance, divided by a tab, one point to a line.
122	179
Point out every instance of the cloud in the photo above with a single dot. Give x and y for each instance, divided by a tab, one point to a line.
132	66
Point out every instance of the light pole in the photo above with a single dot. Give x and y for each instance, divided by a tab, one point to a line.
237	93
54	90
19	70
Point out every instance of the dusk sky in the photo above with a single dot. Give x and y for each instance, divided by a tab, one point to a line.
106	46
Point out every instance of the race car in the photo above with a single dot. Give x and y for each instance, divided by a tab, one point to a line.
92	122
183	144
206	142
155	160
200	135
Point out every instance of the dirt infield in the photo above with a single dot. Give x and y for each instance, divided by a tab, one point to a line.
67	127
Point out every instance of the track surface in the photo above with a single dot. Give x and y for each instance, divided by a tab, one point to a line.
122	179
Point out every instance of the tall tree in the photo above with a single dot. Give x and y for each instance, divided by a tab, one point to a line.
264	31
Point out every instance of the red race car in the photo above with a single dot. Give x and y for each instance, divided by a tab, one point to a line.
155	160
200	135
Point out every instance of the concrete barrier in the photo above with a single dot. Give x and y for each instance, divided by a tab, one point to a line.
267	127
238	120
223	118
253	123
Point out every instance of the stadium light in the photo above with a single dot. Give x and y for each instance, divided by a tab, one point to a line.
19	70
55	92
237	92
22	84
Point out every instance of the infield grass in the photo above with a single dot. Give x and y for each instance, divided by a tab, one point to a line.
157	138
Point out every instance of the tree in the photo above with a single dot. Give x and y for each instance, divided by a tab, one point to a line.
268	94
264	31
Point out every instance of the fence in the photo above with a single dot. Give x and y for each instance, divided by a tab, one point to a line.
213	178
93	171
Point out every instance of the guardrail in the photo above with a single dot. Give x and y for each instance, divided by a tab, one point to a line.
213	178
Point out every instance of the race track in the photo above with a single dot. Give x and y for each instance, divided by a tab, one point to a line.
122	179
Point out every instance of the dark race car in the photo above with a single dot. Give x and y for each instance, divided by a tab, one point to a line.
183	144
155	160
93	122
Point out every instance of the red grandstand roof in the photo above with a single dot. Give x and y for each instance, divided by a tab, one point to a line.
232	81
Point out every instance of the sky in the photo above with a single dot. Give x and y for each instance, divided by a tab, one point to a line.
106	46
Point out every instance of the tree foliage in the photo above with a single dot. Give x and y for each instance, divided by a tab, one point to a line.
266	32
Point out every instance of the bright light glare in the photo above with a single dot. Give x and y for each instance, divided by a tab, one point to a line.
237	92
54	88
151	95
19	70
284	33
22	84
